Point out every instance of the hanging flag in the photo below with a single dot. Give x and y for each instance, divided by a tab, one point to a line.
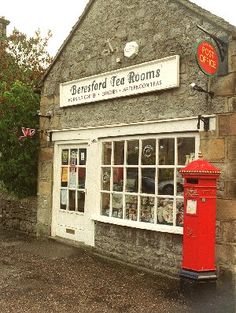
27	133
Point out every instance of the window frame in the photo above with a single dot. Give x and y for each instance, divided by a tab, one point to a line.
77	167
138	223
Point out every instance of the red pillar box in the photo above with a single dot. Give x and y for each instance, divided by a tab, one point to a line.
199	220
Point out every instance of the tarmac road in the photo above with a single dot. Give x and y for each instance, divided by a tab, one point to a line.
50	277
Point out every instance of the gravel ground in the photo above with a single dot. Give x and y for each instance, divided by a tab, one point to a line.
47	276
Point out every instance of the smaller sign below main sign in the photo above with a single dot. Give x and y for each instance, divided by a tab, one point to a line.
207	58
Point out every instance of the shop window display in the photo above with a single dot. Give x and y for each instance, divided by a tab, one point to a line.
117	205
105	202
147	206
131	207
140	178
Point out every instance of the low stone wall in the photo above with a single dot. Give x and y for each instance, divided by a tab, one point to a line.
20	215
160	252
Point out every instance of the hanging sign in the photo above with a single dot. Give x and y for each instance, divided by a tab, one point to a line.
207	58
141	78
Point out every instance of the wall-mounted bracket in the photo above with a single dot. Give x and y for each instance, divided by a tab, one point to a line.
222	45
47	115
206	122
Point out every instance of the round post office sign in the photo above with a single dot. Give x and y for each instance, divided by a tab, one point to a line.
207	58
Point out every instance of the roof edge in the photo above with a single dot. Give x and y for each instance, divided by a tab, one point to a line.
208	15
227	27
81	18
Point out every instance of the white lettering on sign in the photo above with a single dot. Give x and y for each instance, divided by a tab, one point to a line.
141	78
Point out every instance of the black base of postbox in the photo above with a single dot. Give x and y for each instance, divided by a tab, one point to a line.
208	275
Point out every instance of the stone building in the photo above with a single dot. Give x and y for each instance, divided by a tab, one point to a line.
119	120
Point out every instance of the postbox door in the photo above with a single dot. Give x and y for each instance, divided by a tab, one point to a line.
190	246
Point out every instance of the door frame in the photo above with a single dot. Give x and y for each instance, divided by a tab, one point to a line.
89	233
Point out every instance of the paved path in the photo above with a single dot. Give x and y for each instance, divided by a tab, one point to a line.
50	277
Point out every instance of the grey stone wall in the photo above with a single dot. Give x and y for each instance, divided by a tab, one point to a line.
160	252
45	181
160	32
19	215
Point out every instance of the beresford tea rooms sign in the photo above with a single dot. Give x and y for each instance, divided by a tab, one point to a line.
146	77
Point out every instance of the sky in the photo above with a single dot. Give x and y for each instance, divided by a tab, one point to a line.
60	16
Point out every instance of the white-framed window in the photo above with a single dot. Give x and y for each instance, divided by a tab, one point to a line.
140	180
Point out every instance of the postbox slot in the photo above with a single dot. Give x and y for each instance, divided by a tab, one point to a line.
193	181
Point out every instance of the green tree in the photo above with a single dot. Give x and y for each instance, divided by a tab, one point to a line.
23	61
18	158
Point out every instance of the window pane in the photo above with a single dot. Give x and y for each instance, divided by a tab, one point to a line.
117	205
63	199
71	200
166	151
148	180
105	204
82	156
165	211
65	157
147	209
131	206
81	177
106	157
132	152
132	180
80	200
179	212
149	152
186	150
72	177
119	152
106	177
180	183
64	176
166	181
118	179
73	156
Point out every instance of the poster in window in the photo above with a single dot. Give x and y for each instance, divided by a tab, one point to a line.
64	176
82	156
73	157
63	199
72	177
64	157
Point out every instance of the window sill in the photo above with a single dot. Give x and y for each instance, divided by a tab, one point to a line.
140	225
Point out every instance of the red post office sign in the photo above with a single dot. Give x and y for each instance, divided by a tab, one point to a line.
207	58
